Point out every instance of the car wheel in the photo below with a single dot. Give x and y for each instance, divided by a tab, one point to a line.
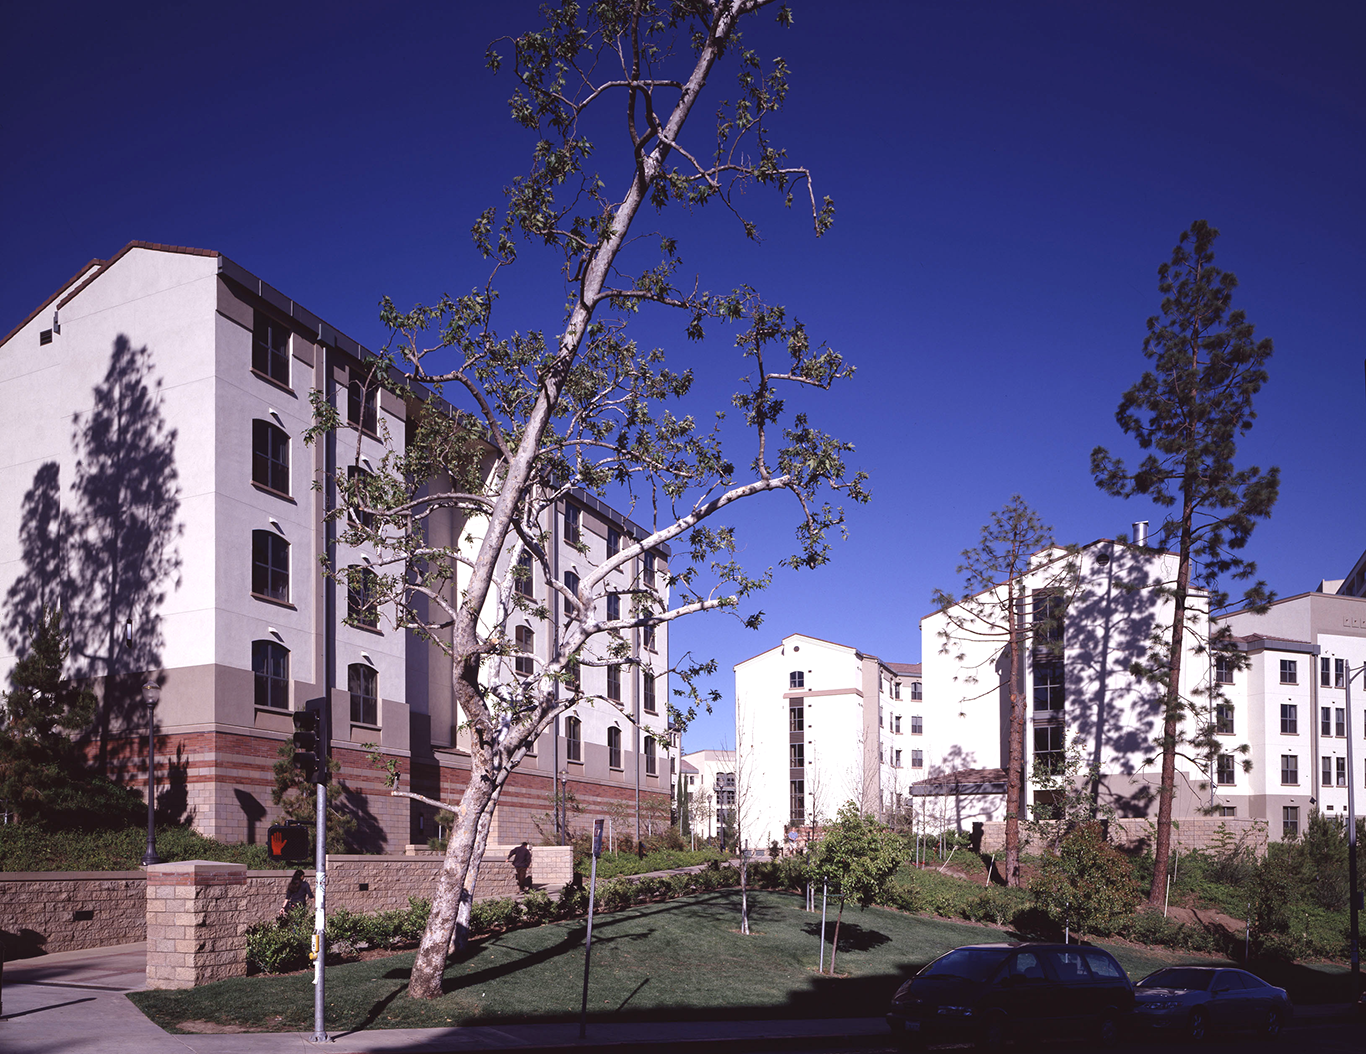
1275	1021
1195	1029
995	1033
1108	1032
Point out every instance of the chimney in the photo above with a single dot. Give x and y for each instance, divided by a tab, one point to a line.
1141	532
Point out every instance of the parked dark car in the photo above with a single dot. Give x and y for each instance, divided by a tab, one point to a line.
1200	999
989	993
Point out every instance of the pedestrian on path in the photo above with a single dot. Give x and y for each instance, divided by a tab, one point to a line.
297	893
521	860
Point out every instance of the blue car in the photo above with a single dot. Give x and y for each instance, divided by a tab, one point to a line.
1197	1000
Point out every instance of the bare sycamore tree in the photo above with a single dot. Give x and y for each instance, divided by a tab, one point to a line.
580	404
987	628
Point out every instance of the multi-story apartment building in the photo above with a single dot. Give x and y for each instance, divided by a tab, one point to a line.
818	724
710	776
1290	704
156	484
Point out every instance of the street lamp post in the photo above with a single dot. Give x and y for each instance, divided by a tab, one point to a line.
150	694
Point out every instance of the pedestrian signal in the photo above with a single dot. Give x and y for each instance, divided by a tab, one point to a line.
289	841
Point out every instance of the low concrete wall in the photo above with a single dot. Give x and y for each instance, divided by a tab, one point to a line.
1193	832
54	911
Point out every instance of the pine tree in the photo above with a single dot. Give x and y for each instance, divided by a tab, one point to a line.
1189	410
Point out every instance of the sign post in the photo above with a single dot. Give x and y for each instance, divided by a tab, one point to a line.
588	942
320	776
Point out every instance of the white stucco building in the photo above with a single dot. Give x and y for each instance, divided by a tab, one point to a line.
155	482
818	724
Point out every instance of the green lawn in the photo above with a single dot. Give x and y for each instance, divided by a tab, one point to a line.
679	959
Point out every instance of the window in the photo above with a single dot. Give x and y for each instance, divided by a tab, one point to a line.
270	566
917	759
649	634
1325	721
897	762
1340	722
1048	621
647	685
1048	746
1327	779
356	478
1048	687
270	349
573	739
613	607
917	725
571	583
614	747
1290	769
649	573
575	673
896	725
614	682
1223	718
796	679
360	407
45	337
1339	673
1290	822
896	690
522	579
613	541
526	649
1226	810
1225	769
363	683
269	456
1223	669
796	718
1290	724
1289	672
1324	671
571	523
796	756
1341	771
362	604
270	664
651	763
796	801
915	689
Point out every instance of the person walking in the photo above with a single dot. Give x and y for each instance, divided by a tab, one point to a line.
521	861
296	893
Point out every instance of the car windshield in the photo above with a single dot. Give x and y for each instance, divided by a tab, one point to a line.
1186	979
973	964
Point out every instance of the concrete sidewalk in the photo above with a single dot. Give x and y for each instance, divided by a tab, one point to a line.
74	1003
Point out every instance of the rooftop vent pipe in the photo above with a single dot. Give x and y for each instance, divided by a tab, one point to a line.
1141	532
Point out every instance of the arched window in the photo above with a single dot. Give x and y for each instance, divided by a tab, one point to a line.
270	665
614	747
270	566
651	760
796	679
269	456
573	739
362	604
364	685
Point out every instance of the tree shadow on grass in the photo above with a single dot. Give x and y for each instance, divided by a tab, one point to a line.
853	937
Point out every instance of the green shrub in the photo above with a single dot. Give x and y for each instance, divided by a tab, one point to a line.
573	902
679	885
497	913
27	847
650	888
537	907
281	945
616	894
1087	884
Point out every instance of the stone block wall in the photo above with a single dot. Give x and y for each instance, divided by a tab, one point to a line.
196	923
1191	832
43	912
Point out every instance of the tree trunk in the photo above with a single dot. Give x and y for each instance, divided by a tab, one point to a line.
836	945
481	841
744	893
1171	719
1015	750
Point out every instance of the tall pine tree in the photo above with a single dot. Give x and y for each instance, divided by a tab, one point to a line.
1188	411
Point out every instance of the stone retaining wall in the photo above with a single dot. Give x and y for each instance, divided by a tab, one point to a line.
1192	832
53	911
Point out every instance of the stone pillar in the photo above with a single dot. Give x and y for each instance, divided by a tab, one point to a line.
195	923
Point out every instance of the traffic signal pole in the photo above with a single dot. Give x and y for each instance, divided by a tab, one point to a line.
320	915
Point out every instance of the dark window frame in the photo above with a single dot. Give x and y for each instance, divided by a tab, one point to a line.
525	639
796	679
651	757
270	348
362	406
573	739
270	566
362	683
362	603
270	672
270	456
647	691
614	747
614	682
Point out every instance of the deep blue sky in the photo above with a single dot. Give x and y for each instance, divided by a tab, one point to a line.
1007	176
